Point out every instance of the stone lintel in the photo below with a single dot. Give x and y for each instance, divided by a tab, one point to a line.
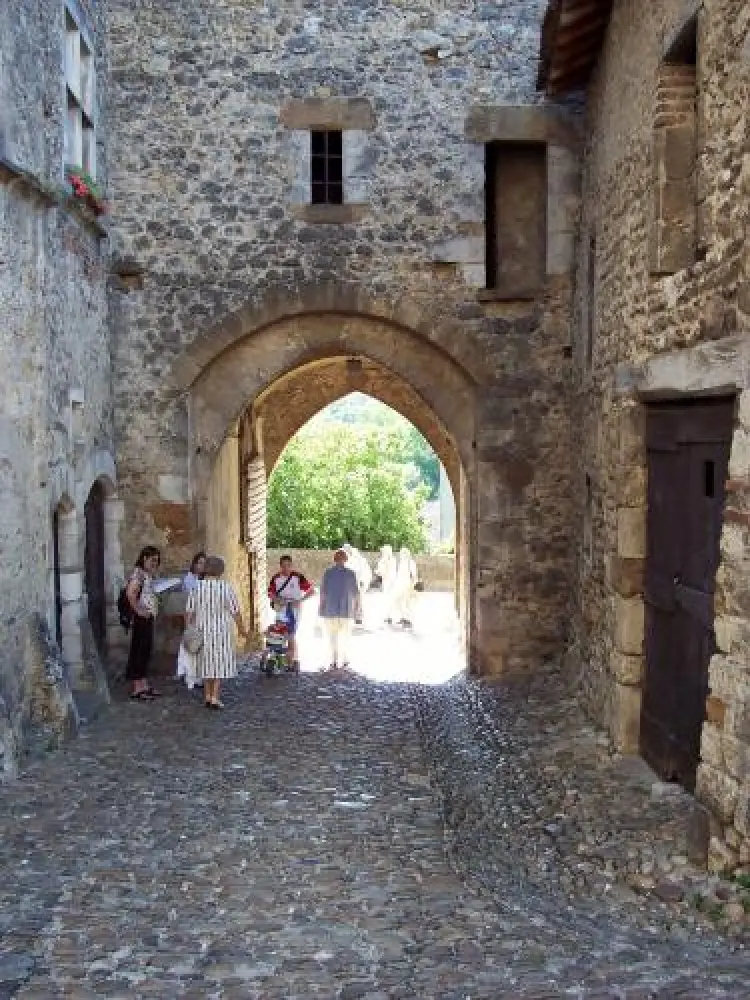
328	113
714	368
336	215
522	123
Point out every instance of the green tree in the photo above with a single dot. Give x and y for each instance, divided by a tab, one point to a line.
341	484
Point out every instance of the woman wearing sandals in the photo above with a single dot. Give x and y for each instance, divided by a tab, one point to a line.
142	600
211	608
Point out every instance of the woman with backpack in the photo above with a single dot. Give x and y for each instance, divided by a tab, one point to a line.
141	600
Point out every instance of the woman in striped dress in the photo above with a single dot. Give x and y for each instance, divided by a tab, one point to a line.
211	607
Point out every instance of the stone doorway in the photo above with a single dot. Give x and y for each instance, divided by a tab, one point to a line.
94	567
56	587
688	445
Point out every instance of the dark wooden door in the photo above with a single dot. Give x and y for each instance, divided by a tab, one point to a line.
56	577
94	564
688	455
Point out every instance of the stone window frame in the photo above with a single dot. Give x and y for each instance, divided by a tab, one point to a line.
498	155
79	91
558	130
355	119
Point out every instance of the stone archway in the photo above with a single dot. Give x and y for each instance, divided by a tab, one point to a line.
93	563
313	360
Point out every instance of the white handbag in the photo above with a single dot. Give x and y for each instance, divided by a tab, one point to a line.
192	639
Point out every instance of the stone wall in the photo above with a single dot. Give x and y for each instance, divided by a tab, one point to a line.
55	404
241	278
658	276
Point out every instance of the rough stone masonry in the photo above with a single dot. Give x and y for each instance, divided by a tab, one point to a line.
244	279
520	277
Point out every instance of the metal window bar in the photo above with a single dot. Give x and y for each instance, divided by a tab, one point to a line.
326	168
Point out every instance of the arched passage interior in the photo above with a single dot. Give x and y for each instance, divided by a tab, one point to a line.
248	403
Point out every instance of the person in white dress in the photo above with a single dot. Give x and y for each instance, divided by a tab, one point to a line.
185	660
361	569
406	580
212	608
386	570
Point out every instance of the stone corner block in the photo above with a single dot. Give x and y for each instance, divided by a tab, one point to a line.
626	669
718	791
629	625
631	532
625	576
625	718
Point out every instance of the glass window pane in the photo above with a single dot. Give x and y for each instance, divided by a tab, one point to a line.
318	191
317	143
89	152
73	140
334	143
335	194
318	168
335	169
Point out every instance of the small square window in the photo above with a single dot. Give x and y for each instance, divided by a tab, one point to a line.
326	168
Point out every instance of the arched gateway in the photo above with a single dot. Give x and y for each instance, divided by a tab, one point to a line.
195	454
248	402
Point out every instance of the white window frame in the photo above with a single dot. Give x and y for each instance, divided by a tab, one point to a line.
79	82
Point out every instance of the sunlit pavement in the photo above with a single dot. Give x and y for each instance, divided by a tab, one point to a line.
428	653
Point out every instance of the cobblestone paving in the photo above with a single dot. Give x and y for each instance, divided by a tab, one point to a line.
293	847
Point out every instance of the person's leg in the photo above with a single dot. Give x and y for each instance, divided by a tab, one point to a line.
345	634
330	627
139	655
292	654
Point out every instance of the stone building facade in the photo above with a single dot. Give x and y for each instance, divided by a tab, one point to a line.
536	254
241	268
56	416
660	322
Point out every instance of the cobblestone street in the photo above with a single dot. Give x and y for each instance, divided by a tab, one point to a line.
296	846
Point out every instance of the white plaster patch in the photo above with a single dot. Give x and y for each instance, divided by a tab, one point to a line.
173	489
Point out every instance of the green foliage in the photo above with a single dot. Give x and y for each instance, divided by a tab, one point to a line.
335	483
360	410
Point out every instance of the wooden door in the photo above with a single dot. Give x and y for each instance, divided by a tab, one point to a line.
94	564
56	577
688	447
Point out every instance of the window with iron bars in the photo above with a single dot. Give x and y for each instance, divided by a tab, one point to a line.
326	168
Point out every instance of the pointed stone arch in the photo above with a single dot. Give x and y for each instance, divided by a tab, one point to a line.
408	315
257	370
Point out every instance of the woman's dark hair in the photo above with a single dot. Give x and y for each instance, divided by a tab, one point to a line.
146	553
194	560
214	566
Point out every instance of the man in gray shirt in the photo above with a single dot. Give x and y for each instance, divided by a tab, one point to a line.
340	605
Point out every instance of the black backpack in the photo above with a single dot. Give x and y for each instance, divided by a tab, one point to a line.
124	610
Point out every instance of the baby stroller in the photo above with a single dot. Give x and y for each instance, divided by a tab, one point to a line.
273	659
